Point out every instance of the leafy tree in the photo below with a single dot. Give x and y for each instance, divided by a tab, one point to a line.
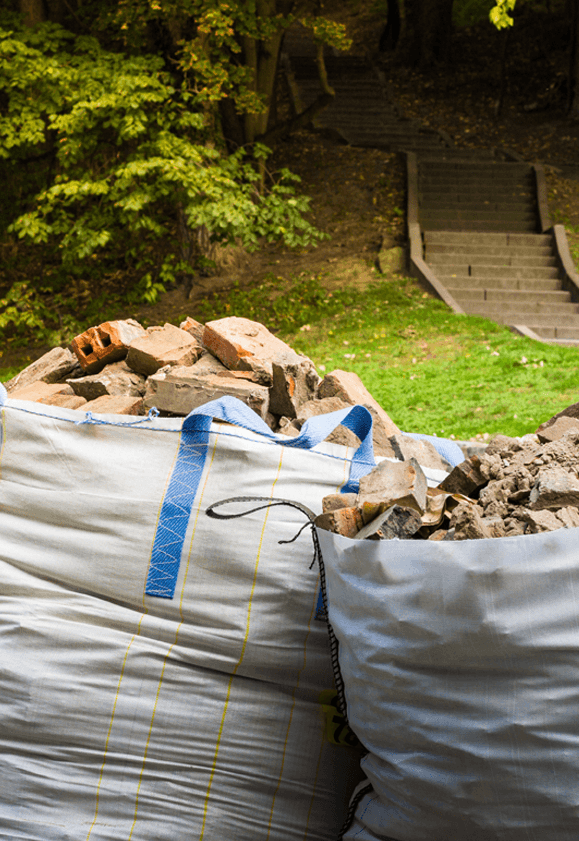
139	148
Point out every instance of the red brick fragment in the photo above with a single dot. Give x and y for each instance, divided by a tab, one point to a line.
108	342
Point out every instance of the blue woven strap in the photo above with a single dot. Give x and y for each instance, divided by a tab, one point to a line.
176	507
186	476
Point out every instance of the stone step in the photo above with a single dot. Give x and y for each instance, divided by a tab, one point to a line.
527	301
522	215
541	273
505	260
492	192
476	185
447	273
475	250
461	226
507	283
514	314
476	167
468	238
445	204
558	335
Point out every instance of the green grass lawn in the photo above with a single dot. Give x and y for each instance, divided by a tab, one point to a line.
433	371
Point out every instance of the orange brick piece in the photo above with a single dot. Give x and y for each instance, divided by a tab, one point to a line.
194	328
109	342
244	345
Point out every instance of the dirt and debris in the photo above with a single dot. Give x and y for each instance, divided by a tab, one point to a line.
517	486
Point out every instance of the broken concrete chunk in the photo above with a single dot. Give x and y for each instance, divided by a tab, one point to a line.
64	401
468	523
294	382
352	390
341	435
344	521
53	366
405	447
38	392
117	378
555	488
115	404
349	388
288	426
242	344
571	411
402	483
106	343
162	346
465	478
333	502
557	429
182	389
396	522
539	521
208	364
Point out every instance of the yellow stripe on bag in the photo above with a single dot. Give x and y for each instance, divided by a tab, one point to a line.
135	635
168	654
312	614
238	664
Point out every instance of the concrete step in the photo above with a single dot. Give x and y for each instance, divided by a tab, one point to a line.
558	335
448	273
525	301
541	273
493	192
513	314
461	227
490	225
468	238
462	261
499	186
522	297
444	204
506	283
490	252
476	167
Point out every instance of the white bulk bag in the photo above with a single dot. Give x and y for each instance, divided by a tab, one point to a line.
160	671
461	669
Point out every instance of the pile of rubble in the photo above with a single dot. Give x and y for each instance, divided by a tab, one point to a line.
119	367
517	486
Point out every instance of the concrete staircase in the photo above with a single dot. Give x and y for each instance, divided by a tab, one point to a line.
508	277
479	233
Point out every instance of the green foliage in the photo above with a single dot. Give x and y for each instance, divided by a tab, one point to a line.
500	15
132	165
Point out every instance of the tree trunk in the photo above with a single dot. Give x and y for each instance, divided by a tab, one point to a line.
427	31
573	86
33	11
